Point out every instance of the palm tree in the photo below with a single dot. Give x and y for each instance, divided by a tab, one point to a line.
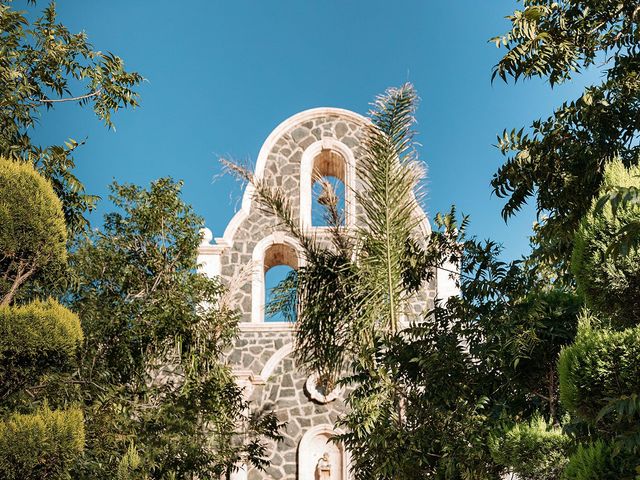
351	295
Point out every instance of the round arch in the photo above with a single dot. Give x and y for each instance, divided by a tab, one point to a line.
314	443
284	127
306	178
259	265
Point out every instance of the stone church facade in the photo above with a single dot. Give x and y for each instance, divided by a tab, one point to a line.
317	142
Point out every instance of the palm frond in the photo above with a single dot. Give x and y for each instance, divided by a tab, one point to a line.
390	177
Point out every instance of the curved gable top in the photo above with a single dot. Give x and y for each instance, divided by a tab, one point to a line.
298	119
285	127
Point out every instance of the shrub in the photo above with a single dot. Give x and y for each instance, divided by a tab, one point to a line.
44	444
609	283
533	450
34	339
32	228
600	461
600	365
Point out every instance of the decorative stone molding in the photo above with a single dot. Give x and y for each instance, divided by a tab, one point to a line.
311	385
267	327
273	362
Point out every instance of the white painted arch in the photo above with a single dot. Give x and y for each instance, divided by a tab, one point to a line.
286	126
258	270
306	179
274	361
311	448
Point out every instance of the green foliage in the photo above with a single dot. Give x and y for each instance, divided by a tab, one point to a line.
44	444
389	195
36	339
599	461
421	413
628	237
32	229
610	284
560	160
533	450
600	365
424	399
156	330
129	463
41	63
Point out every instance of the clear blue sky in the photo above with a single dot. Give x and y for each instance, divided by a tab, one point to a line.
222	74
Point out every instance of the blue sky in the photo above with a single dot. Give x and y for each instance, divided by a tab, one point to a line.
222	74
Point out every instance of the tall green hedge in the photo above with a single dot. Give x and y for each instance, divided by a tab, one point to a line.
533	450
33	233
609	283
42	445
601	364
35	339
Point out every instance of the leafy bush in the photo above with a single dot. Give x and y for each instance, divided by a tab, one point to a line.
610	283
32	227
600	461
533	450
41	445
34	339
600	365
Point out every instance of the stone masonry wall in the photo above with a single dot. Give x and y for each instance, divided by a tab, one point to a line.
284	390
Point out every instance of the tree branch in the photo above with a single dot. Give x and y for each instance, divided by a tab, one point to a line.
71	99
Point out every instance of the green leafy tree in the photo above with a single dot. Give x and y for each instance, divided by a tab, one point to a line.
560	160
38	340
599	366
42	65
533	450
32	231
44	444
159	400
600	461
609	283
599	371
425	399
38	347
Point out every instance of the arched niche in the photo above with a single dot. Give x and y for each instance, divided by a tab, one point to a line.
313	445
275	250
327	158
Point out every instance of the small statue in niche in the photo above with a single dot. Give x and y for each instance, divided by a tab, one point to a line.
323	468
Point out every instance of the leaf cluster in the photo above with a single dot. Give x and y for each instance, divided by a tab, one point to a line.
33	233
155	330
37	341
532	450
43	65
40	445
559	161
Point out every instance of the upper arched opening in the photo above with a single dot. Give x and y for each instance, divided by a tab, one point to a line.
328	188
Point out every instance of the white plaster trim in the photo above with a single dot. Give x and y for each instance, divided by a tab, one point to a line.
447	282
257	276
275	359
240	474
303	447
276	327
245	379
208	259
306	175
268	145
